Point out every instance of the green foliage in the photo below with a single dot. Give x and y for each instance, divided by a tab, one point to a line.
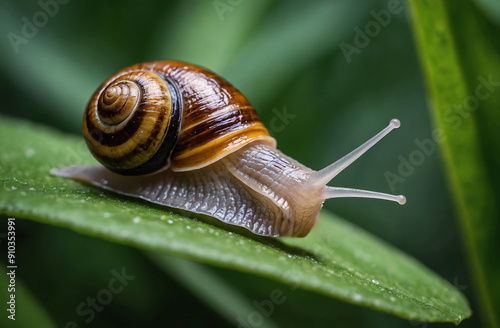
284	55
463	82
336	259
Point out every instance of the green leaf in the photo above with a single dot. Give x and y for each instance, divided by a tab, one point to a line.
463	84
337	259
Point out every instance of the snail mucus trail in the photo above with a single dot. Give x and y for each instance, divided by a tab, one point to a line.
179	135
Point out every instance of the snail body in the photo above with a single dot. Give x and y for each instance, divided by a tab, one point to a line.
178	135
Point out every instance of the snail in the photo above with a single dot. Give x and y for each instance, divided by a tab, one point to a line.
179	135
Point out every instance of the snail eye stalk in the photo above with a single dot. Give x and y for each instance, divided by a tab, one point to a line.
324	176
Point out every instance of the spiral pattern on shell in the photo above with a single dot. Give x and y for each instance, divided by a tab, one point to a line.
168	114
132	122
118	101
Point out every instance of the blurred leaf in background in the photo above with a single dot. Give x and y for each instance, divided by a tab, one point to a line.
463	81
284	56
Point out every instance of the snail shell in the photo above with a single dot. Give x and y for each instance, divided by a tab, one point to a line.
178	135
132	124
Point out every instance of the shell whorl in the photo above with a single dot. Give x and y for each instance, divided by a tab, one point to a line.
118	101
132	122
171	113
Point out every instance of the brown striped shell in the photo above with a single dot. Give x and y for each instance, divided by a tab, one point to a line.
168	114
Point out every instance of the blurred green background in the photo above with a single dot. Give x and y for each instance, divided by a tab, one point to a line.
284	56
